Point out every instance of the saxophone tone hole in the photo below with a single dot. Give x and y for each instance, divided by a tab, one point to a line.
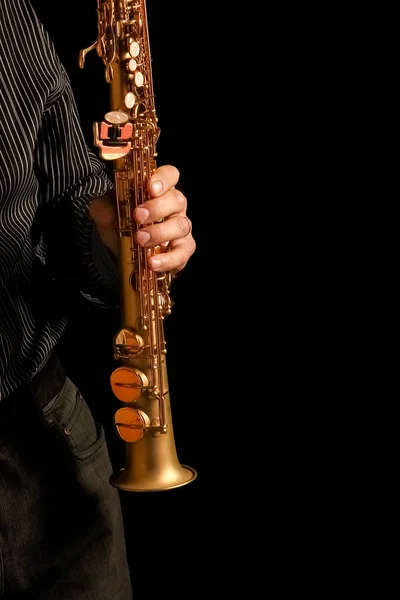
133	282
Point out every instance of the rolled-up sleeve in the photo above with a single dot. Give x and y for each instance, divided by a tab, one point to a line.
70	175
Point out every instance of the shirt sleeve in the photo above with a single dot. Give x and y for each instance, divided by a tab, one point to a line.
70	176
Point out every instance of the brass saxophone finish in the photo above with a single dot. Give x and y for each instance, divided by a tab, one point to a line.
128	136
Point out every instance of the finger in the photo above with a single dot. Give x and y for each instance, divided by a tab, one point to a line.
177	256
171	229
163	179
170	203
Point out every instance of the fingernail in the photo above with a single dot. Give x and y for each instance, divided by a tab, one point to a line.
142	237
155	263
156	186
141	214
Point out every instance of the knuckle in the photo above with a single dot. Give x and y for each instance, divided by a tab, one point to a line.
162	234
182	259
167	172
184	225
158	206
175	172
180	199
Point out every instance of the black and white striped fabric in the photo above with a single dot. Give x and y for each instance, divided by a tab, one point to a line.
48	176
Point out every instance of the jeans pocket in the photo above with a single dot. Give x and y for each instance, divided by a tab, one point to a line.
69	414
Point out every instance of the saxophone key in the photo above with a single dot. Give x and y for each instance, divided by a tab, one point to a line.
131	424
128	384
127	344
134	49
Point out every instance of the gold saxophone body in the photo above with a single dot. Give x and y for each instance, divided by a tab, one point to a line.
128	136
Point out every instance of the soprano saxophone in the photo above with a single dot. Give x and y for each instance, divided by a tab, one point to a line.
128	136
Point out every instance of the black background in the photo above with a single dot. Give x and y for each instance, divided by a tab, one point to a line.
180	81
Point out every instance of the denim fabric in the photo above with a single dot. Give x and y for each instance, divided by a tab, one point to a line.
61	527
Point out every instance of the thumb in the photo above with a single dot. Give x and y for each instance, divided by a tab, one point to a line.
104	214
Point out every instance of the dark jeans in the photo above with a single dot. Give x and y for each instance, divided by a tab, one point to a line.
61	528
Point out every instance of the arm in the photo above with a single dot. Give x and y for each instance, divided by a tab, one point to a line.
70	177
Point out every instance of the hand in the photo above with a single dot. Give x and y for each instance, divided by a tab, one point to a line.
174	232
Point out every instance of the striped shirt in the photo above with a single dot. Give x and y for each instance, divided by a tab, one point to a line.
48	176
